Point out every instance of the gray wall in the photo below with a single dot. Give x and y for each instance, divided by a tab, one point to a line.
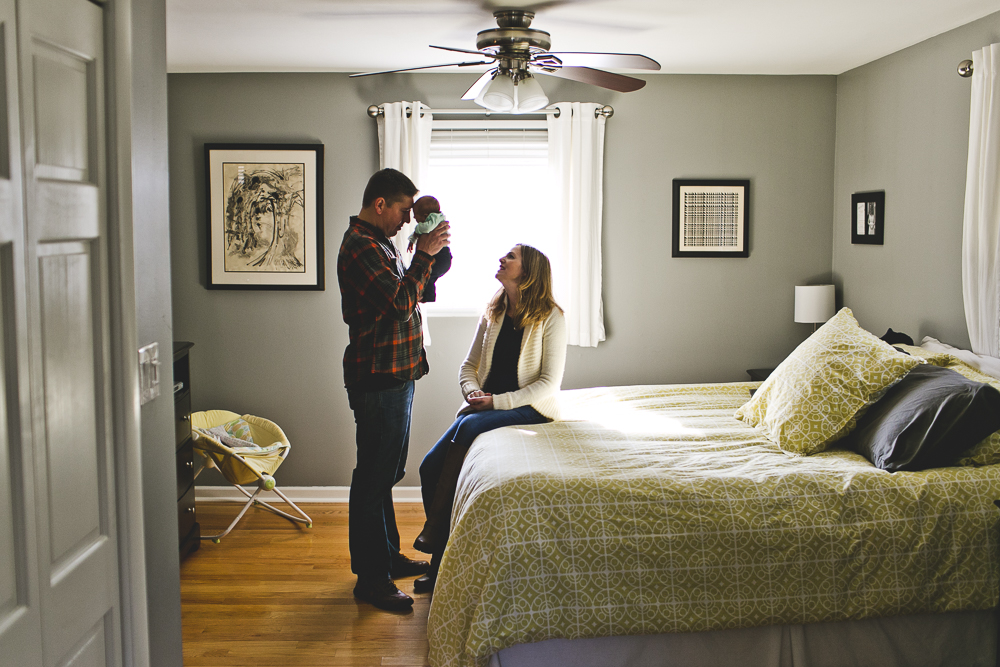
903	127
278	354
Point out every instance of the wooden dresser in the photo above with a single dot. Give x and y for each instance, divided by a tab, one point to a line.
189	531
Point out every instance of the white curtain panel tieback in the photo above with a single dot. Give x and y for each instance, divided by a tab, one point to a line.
576	157
981	231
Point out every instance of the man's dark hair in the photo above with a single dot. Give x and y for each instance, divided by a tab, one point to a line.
389	184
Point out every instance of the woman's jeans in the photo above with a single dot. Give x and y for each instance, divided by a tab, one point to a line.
383	436
455	443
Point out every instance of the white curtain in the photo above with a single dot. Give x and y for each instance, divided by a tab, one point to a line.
981	233
404	143
576	155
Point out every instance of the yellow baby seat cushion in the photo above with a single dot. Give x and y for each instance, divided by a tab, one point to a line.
260	443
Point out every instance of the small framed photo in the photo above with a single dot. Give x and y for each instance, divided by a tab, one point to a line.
711	218
265	216
868	217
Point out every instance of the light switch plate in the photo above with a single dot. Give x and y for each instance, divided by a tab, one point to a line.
149	372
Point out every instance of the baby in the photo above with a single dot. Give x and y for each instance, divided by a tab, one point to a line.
427	213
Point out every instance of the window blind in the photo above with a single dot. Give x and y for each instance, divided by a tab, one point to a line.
489	148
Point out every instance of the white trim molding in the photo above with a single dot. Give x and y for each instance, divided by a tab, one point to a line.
300	494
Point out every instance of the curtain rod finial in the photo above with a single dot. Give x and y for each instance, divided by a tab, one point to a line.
374	110
965	69
607	111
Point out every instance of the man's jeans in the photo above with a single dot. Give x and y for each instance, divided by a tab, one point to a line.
383	436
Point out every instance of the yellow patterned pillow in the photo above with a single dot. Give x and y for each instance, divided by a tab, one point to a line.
813	398
942	359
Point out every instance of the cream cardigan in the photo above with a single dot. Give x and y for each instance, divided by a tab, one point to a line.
540	365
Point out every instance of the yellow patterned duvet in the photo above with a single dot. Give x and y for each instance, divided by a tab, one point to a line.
658	511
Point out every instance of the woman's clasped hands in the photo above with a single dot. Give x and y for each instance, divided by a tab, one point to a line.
479	401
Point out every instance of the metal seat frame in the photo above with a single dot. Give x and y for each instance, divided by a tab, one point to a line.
264	483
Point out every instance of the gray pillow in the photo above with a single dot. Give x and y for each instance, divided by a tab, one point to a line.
927	420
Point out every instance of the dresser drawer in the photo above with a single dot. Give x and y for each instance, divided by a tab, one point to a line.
182	418
186	516
185	468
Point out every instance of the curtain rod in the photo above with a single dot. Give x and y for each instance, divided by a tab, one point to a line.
606	111
965	69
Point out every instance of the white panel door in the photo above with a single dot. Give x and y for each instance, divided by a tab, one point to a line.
62	69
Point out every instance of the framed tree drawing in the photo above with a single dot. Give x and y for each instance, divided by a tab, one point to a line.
265	216
711	218
868	217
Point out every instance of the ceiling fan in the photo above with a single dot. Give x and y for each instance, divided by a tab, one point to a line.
519	51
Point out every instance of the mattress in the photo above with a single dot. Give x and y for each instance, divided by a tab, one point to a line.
650	510
965	638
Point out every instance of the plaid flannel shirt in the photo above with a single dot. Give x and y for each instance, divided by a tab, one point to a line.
379	302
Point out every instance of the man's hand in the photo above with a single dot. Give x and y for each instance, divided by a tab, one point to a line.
434	240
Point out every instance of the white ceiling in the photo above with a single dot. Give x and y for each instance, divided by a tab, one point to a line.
684	36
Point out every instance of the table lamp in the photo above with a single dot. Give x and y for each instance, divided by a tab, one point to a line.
814	304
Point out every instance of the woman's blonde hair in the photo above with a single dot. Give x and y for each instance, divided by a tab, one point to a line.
535	286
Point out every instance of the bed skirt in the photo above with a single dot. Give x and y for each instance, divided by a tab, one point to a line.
963	638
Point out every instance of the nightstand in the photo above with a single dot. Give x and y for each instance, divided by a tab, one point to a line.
189	532
759	374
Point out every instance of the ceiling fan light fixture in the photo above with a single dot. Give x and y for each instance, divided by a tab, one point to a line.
498	94
530	96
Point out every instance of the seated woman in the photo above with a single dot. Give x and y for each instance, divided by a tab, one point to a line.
511	376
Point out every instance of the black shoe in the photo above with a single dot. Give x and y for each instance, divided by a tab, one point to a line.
429	538
383	594
403	566
424	544
425	584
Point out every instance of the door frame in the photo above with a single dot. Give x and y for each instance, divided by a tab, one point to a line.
125	395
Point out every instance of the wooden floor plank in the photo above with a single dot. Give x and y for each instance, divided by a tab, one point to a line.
274	594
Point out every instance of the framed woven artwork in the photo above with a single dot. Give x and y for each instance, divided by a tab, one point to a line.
711	218
265	216
868	217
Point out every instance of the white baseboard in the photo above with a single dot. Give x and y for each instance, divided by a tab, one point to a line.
300	494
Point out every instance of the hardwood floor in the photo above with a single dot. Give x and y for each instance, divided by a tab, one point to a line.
274	593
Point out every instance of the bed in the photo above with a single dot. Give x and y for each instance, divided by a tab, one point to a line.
652	527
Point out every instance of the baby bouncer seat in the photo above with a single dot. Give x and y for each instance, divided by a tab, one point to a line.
246	450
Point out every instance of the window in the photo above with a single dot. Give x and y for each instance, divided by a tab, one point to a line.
492	179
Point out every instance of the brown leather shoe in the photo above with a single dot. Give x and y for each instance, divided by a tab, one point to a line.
403	566
425	584
383	594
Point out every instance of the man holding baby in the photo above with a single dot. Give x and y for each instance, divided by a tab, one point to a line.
384	357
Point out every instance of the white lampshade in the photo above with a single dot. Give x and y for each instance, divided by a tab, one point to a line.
530	96
498	94
814	303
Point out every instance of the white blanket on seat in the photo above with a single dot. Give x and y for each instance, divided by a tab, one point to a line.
220	434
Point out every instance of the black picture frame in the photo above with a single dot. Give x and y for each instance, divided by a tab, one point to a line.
711	217
265	216
868	217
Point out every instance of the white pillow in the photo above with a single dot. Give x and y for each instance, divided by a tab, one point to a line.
981	362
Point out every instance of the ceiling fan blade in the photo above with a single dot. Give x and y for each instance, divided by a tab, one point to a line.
615	60
410	69
480	83
595	77
451	48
